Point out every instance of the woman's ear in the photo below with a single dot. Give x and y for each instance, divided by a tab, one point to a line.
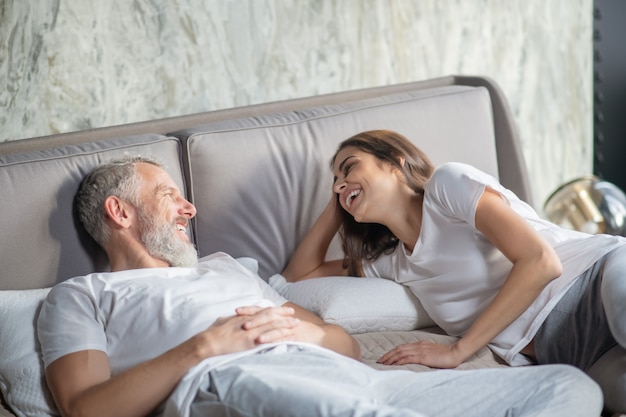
399	169
117	210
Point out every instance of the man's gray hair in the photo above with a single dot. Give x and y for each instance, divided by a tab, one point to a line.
118	178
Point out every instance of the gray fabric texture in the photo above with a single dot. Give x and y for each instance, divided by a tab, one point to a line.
42	242
254	162
279	164
583	328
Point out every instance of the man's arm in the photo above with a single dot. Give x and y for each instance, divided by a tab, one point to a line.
82	386
333	337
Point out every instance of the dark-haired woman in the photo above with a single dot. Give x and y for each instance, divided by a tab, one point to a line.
483	264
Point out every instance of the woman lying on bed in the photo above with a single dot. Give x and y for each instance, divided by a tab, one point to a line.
483	264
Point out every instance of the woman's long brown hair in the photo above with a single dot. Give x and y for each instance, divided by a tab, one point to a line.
369	240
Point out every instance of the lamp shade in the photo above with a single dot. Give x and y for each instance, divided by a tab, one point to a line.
588	204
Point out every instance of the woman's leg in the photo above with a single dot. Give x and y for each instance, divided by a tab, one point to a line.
614	293
577	332
610	373
586	326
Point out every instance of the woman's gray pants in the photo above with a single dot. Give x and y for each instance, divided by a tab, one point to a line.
587	328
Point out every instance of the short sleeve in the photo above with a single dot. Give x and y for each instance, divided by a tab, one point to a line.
456	188
68	323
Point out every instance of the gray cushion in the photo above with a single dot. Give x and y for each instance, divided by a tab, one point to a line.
259	183
42	242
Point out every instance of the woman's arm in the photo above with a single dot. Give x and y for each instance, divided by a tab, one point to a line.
535	264
308	261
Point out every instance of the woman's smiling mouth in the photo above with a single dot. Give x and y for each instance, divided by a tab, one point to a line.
351	196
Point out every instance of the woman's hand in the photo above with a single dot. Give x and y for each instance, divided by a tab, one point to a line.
424	353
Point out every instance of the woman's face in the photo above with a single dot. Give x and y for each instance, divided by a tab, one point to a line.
364	184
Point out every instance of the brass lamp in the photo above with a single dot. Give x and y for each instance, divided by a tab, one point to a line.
588	204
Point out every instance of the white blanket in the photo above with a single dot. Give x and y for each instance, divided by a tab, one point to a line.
286	380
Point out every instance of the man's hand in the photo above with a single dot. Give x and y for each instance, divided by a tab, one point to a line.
250	327
269	324
294	323
301	331
424	353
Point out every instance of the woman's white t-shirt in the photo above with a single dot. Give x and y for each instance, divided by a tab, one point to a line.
456	271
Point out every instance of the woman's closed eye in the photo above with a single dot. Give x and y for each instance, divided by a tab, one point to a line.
347	167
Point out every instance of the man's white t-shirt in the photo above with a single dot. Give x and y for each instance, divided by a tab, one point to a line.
456	272
139	314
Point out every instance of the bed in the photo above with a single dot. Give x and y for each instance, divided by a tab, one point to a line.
259	176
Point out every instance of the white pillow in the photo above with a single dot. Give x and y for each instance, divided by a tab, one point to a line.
22	380
359	305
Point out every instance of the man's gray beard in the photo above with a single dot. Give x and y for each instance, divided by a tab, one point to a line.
161	243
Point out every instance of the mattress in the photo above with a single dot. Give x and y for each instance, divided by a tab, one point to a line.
376	344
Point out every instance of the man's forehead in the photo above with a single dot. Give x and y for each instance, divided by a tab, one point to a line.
155	176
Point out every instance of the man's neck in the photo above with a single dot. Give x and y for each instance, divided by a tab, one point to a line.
149	262
125	257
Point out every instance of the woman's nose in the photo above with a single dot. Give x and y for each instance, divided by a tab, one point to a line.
339	186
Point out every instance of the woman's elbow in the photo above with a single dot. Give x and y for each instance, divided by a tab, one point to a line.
550	265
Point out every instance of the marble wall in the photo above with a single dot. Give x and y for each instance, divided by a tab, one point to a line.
71	65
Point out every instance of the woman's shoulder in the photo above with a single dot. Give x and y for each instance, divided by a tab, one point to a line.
452	174
455	187
455	170
458	173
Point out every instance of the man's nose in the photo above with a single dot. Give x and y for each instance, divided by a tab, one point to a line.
188	209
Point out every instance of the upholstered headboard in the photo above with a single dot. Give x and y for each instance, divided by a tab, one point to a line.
259	175
259	183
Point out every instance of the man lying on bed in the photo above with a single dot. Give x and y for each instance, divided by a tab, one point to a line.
166	334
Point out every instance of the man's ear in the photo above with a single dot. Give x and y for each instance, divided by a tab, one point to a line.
117	210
